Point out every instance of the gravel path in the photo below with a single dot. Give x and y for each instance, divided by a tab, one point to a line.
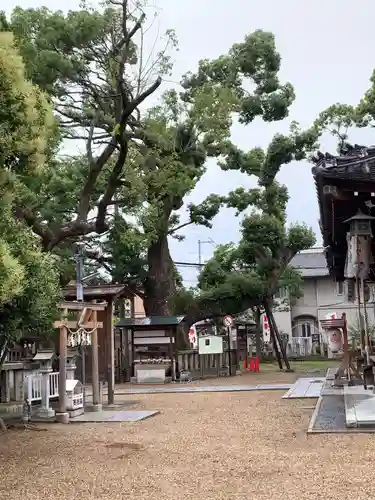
239	446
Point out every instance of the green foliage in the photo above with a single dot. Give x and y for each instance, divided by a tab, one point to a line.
339	118
253	63
31	304
26	119
184	130
29	287
91	64
12	275
239	277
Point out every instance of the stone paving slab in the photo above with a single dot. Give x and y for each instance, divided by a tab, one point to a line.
331	372
305	387
113	416
359	406
331	390
180	388
329	417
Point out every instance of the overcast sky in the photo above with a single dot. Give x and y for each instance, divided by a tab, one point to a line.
327	54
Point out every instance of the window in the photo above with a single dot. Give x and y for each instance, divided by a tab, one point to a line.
282	293
207	342
340	288
305	330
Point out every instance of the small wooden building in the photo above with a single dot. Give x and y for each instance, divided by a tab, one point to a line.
149	342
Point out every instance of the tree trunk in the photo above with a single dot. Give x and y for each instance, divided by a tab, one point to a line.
160	285
275	330
258	332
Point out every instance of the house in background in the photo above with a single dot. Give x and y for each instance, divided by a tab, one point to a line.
321	296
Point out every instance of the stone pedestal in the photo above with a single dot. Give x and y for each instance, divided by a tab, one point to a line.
19	380
62	418
96	407
4	387
45	411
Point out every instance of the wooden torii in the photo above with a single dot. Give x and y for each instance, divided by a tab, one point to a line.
86	322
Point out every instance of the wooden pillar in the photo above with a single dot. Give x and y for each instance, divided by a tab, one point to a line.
96	403
62	415
109	329
345	346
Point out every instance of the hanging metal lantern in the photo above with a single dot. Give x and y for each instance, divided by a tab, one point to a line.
360	224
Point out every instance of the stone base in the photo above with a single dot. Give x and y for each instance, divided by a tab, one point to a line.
76	412
97	407
167	380
45	413
62	418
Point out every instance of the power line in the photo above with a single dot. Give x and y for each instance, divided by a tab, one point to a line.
189	264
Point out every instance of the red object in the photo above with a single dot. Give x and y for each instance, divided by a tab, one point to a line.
253	364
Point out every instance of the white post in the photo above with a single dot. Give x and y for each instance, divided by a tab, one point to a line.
45	411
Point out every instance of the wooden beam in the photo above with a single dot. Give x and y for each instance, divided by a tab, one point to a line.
78	306
337	193
89	325
84	317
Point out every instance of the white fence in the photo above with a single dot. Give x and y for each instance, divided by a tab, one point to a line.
300	346
33	386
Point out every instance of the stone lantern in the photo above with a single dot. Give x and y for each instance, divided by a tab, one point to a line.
360	224
45	357
71	365
359	238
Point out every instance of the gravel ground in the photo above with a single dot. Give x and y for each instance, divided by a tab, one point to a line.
202	446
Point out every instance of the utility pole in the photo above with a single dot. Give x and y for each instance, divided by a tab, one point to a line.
78	257
200	243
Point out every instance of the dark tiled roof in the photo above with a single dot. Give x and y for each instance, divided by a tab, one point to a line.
312	264
96	291
356	163
150	321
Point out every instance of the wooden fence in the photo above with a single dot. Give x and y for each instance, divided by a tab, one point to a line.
208	364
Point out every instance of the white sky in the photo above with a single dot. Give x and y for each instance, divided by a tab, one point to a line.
326	49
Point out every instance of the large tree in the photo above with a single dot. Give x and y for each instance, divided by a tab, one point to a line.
29	286
89	64
182	133
144	162
248	274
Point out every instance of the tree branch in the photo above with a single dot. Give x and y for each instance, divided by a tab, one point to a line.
181	226
37	227
95	169
141	97
89	145
111	188
74	229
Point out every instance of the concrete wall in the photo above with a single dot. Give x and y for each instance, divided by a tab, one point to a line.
307	305
284	321
139	310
